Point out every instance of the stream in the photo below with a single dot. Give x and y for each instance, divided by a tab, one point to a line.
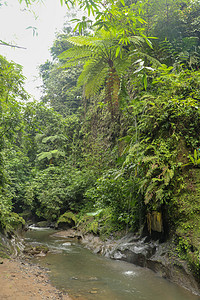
88	276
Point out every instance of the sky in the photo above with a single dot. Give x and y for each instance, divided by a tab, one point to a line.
14	19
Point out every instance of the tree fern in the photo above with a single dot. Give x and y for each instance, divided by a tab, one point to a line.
76	52
102	66
93	77
84	40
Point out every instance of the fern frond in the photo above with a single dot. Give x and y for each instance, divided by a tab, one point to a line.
167	47
137	40
122	65
93	76
83	40
94	86
151	189
76	52
151	59
159	194
39	137
73	63
53	138
103	39
50	154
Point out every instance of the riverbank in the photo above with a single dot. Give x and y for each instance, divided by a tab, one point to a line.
21	280
158	257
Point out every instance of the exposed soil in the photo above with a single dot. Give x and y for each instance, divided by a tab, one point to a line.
20	280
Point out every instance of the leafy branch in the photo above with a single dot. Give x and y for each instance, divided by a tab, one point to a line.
3	43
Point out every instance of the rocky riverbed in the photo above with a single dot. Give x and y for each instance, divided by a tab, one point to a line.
21	280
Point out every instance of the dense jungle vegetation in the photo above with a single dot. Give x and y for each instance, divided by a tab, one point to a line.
113	145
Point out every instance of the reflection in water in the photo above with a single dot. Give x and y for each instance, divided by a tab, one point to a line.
85	275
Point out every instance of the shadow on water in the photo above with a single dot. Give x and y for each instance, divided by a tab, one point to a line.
85	275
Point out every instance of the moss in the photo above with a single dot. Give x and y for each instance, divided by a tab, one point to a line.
4	250
4	255
187	219
93	227
34	250
43	224
67	218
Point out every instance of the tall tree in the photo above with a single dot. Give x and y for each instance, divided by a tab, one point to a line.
11	92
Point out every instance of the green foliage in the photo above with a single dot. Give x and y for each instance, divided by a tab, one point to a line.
175	24
9	220
186	251
194	160
185	212
92	214
68	218
160	167
117	152
50	155
119	194
46	135
57	189
183	247
59	86
168	117
18	171
105	63
11	91
11	81
98	55
97	222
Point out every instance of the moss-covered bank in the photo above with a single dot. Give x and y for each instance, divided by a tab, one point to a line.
187	223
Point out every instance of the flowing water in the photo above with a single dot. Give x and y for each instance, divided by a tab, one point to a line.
87	276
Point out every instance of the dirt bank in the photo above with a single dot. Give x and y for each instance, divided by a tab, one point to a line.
20	280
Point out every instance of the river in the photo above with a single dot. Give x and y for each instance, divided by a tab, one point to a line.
87	276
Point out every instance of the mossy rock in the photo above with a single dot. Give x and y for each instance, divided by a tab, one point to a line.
35	250
42	224
67	220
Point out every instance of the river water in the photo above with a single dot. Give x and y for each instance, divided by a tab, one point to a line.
87	276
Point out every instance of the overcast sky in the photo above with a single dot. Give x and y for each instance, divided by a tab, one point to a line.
14	19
